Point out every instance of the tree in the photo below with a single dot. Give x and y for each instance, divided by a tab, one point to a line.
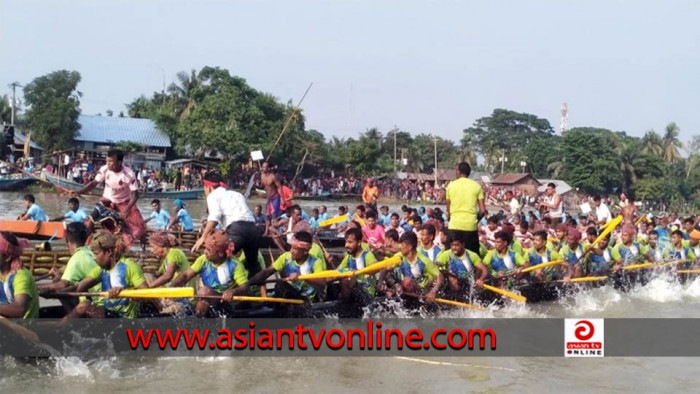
693	161
184	92
54	107
652	144
5	110
671	143
590	160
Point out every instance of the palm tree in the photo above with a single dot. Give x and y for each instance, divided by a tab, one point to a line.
631	161
652	144
184	91
555	168
671	143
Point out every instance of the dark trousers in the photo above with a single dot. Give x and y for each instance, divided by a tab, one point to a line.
470	239
246	236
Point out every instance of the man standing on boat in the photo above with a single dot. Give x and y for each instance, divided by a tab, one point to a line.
370	194
465	207
554	204
230	209
121	191
273	191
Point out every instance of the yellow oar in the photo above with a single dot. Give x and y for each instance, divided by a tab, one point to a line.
638	266
359	220
459	304
640	219
543	265
371	269
506	293
254	299
337	219
585	279
688	271
159	292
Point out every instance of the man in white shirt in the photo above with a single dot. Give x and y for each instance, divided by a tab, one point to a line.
513	204
602	211
230	209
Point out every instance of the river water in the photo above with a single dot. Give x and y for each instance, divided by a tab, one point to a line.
409	375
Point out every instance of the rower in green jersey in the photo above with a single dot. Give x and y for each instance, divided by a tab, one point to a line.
255	290
599	260
515	245
416	274
572	252
19	297
591	236
654	248
173	262
221	275
680	252
391	243
501	261
462	266
80	264
290	265
361	288
628	251
539	253
427	245
115	273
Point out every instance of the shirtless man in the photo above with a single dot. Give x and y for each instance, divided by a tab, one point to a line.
273	189
629	210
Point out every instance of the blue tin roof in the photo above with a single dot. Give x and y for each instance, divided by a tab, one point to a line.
20	138
111	130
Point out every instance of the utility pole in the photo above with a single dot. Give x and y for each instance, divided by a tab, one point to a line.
435	170
394	131
13	85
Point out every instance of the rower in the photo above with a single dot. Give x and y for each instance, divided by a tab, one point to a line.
33	212
80	264
173	262
182	220
599	260
428	247
322	213
391	243
315	219
694	241
384	218
362	287
628	250
572	252
161	216
416	273
539	253
561	231
114	273
680	251
501	260
290	265
654	248
221	275
75	214
19	297
463	266
394	224
688	226
121	192
591	236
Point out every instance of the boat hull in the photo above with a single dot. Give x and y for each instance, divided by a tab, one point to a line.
192	194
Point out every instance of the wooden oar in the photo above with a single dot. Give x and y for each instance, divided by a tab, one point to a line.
26	333
640	219
334	220
542	265
688	271
159	292
584	279
506	293
459	304
608	228
255	299
371	269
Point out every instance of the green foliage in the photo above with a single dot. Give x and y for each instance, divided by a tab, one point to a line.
5	110
54	107
590	160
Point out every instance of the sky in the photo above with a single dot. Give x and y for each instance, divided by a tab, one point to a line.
423	66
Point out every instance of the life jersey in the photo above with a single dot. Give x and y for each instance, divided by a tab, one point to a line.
222	277
125	274
600	263
431	253
571	256
286	266
462	266
367	282
423	271
503	263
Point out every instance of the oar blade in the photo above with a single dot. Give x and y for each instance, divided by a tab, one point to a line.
160	292
511	295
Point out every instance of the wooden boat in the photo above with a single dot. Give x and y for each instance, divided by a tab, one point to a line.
34	230
15	182
192	194
322	197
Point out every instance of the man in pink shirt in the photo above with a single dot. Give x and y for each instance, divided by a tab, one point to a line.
120	194
373	233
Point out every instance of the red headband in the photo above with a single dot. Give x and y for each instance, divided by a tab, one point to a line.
213	184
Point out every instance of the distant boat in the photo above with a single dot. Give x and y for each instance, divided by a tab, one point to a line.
15	182
191	194
322	197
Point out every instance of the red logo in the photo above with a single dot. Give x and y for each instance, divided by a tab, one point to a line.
584	330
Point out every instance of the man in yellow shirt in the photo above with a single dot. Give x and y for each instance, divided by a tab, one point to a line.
463	196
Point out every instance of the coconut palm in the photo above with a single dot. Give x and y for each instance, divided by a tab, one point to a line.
631	161
555	169
184	91
652	144
671	143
